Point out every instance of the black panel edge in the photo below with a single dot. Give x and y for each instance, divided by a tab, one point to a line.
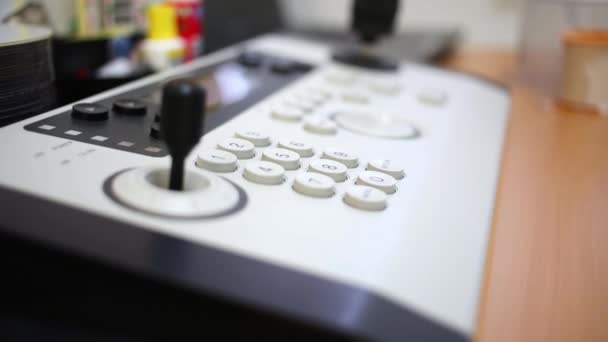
303	297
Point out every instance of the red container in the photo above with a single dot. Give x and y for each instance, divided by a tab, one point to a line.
190	23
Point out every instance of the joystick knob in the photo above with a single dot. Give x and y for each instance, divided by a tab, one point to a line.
181	124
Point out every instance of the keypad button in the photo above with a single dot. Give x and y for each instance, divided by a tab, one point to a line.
242	149
303	149
264	172
376	124
251	59
318	93
287	113
289	160
257	138
320	125
330	168
300	103
351	161
355	98
390	88
155	130
314	184
282	67
301	67
340	78
433	97
90	112
217	161
378	180
129	107
387	166
313	98
365	198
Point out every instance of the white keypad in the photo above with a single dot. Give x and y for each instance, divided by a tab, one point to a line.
320	125
303	149
387	166
289	160
350	160
378	180
365	198
258	139
326	174
241	148
288	113
330	168
217	160
264	172
314	184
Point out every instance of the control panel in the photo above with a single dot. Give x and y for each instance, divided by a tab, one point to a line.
352	199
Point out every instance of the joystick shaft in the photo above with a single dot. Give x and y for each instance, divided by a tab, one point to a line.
182	113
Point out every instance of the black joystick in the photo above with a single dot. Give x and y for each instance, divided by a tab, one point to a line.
371	20
181	123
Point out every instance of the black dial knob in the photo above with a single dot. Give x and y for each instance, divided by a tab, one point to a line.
90	112
181	122
251	59
129	107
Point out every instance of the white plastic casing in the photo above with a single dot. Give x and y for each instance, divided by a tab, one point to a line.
425	251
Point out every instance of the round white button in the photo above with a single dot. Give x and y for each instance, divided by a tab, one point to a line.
378	180
300	103
340	78
257	138
319	94
216	160
264	172
387	166
351	161
303	149
320	125
376	124
287	113
355	98
314	98
391	88
242	149
365	197
432	97
331	168
314	184
289	160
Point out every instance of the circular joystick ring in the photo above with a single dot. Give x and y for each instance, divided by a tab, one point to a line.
206	195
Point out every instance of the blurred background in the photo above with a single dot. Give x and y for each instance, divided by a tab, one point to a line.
487	23
100	44
492	23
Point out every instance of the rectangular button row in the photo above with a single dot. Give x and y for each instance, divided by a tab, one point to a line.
100	138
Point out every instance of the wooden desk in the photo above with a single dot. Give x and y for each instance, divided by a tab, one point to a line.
546	276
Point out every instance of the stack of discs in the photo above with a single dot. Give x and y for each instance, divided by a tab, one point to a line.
26	72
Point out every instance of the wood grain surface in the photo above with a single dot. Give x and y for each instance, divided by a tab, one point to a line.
546	276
